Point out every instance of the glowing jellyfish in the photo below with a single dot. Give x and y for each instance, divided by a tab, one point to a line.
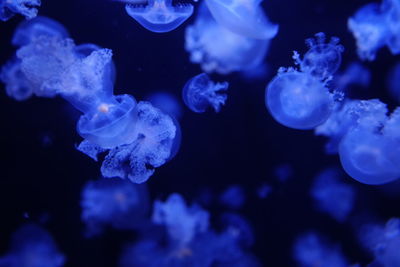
16	83
311	249
375	26
28	30
332	195
298	100
322	59
200	92
166	102
114	202
217	49
27	8
159	15
32	246
243	17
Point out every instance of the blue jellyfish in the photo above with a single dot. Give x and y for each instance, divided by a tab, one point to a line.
114	202
332	195
393	82
354	74
233	197
220	50
298	100
27	8
383	241
311	249
322	59
167	103
28	30
159	15
200	92
375	26
264	190
243	17
32	246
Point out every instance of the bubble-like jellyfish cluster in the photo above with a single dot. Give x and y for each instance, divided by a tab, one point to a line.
375	26
27	8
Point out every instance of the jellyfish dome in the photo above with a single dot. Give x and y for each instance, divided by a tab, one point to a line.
31	29
243	17
159	15
27	8
200	92
322	59
220	50
298	100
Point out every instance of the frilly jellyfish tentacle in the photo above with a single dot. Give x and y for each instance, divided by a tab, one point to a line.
27	8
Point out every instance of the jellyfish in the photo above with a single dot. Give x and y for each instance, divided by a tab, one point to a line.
375	26
217	49
312	249
32	246
200	92
114	202
355	74
298	100
233	197
167	103
332	195
159	15
239	227
243	17
27	8
322	59
28	30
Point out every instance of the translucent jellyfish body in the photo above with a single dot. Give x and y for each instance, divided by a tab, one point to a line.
322	59
298	100
375	26
355	74
167	103
200	93
27	8
332	195
159	15
243	17
32	246
28	30
16	83
218	49
114	202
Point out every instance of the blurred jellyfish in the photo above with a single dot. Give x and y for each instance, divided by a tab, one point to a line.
200	92
16	83
383	241
27	8
322	59
167	103
393	82
370	152
375	26
233	197
238	227
220	50
159	15
311	249
114	202
243	17
29	30
331	195
298	100
354	74
283	172
32	246
264	190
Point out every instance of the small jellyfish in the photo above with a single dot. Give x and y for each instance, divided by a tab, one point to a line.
27	8
16	83
233	197
311	249
28	30
220	50
332	195
298	100
159	15
322	59
32	246
114	202
200	92
243	17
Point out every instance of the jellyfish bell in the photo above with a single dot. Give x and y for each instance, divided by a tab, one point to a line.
243	17
111	124
159	15
298	100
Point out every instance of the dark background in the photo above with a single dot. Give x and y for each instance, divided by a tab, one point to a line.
41	172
